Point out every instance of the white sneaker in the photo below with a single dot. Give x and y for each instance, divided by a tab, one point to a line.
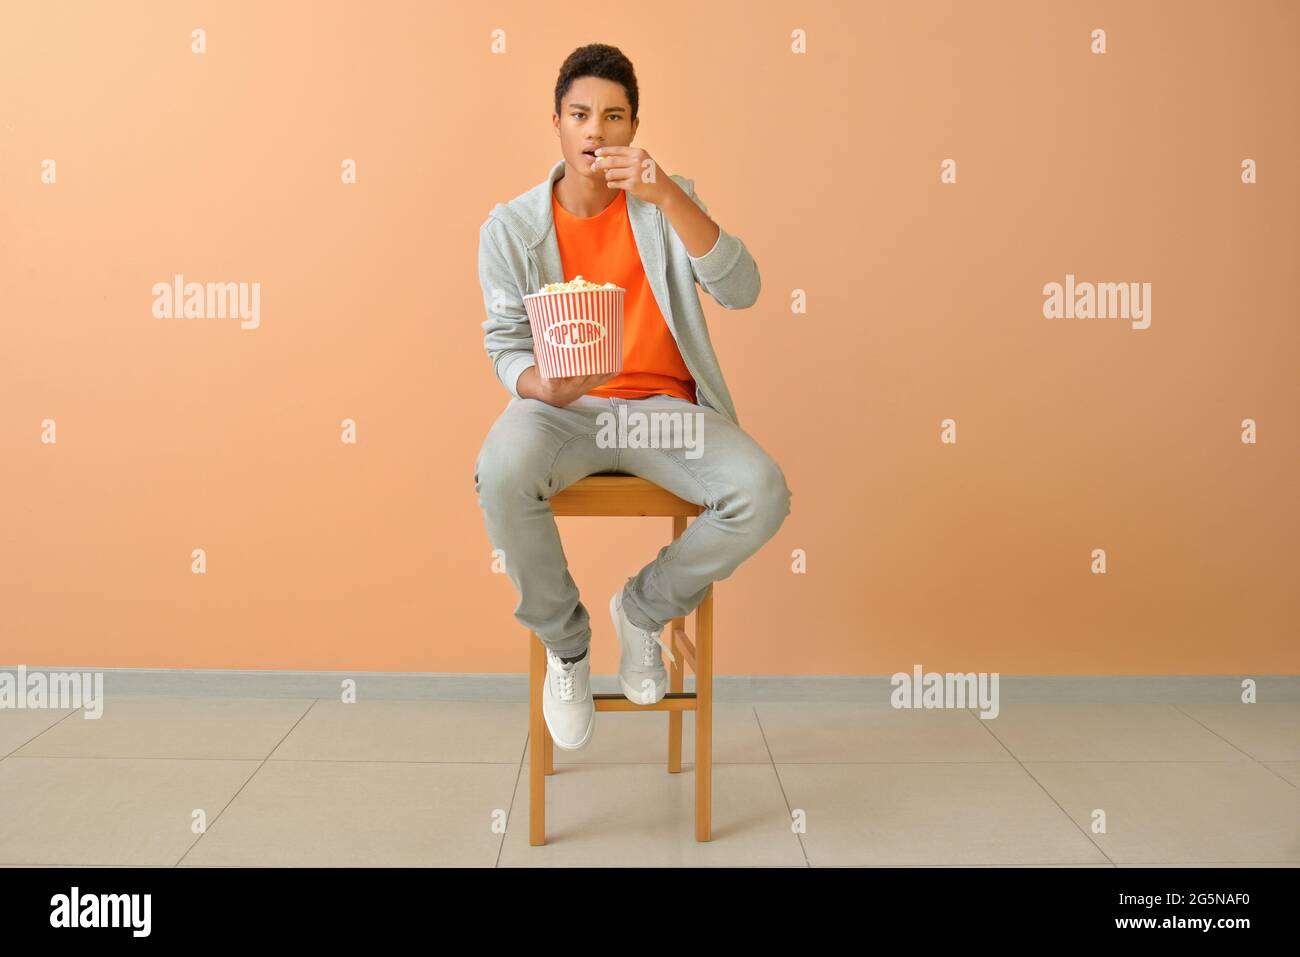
567	704
641	671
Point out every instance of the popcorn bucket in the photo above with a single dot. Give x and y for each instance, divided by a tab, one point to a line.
576	333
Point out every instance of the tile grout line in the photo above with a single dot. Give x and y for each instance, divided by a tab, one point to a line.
210	824
1238	747
779	783
14	752
510	812
1042	787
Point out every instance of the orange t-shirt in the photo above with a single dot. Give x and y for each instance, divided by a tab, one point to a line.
602	249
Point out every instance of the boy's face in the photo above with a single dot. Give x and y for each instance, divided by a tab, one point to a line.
595	112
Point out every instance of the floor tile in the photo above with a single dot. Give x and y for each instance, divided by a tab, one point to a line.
1169	811
362	814
18	726
168	727
1211	864
834	732
392	730
933	814
1107	732
1287	769
112	811
388	782
1266	732
638	815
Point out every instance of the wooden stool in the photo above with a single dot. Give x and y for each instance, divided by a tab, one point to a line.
607	494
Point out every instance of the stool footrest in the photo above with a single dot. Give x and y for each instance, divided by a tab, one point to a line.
673	701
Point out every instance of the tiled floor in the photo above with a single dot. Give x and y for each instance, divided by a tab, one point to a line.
217	782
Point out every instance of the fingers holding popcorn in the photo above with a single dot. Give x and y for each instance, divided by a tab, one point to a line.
632	169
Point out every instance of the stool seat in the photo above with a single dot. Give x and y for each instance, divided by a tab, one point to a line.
609	495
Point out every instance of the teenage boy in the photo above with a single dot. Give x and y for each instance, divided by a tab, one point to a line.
600	214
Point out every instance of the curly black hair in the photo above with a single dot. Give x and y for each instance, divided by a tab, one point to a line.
601	60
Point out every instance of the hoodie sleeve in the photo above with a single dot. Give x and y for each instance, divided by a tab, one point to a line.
507	336
727	272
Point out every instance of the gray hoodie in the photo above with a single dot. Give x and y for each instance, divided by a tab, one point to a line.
518	254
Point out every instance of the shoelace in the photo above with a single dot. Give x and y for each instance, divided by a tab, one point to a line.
648	648
564	679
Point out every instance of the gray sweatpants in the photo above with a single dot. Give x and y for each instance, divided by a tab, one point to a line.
535	450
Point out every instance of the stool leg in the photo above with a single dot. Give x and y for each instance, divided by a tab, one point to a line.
676	679
704	717
550	748
537	735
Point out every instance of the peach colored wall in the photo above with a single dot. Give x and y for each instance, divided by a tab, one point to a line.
924	303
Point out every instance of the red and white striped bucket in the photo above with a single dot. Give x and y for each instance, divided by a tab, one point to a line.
576	333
